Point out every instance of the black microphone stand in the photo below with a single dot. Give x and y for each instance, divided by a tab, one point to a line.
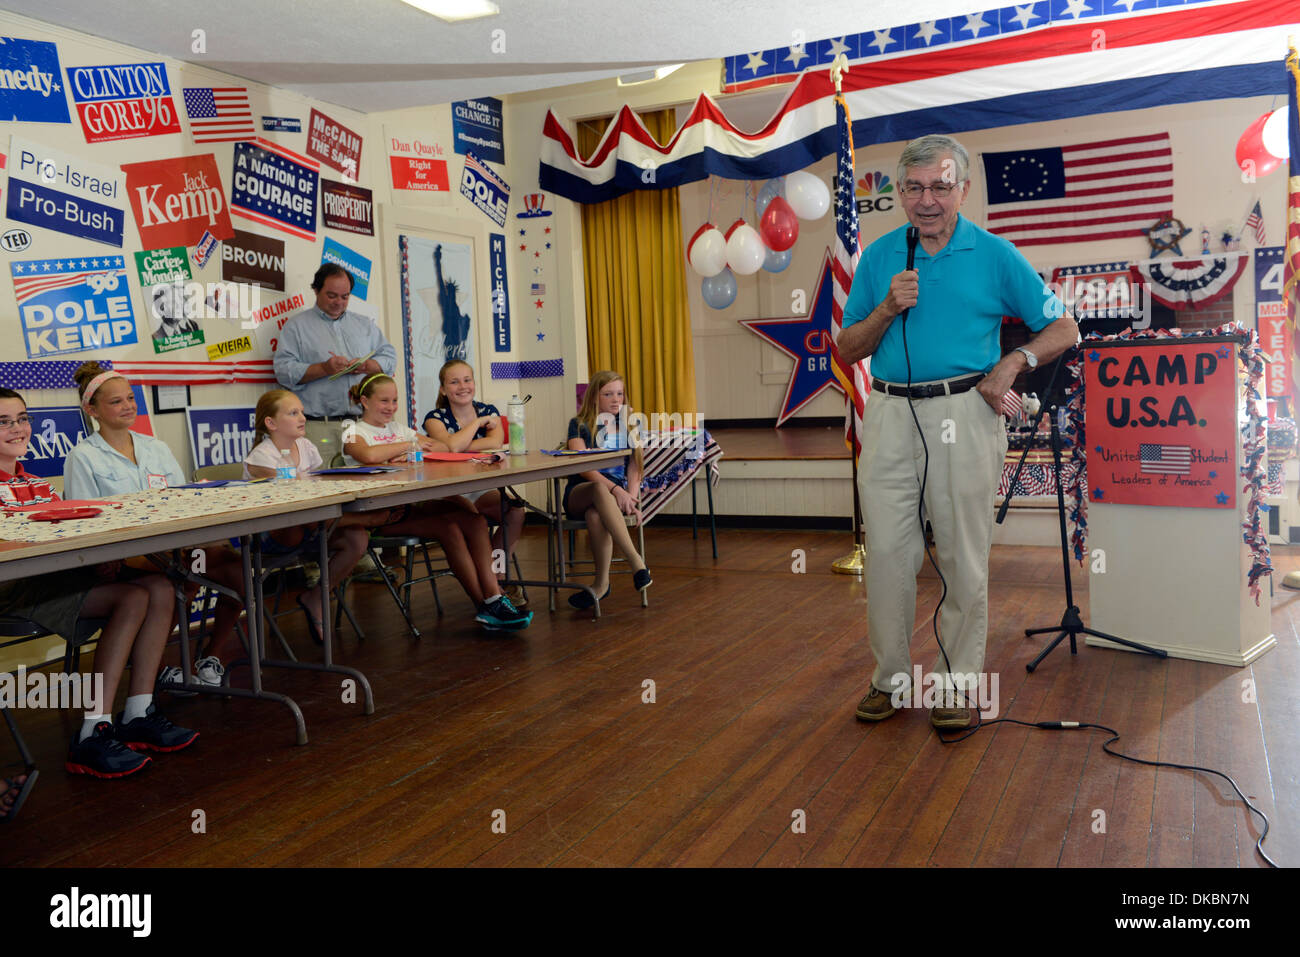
1071	622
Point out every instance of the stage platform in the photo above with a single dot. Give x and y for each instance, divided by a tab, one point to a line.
801	477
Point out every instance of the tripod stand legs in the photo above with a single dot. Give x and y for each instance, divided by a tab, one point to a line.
1072	625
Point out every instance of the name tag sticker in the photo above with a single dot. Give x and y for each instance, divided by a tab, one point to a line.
157	481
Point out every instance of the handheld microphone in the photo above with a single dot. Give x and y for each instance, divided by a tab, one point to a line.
913	235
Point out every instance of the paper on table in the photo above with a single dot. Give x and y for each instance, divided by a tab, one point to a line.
350	369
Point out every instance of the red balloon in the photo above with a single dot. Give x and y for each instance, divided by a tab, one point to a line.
1252	157
779	226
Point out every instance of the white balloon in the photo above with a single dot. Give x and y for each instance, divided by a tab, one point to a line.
745	250
1273	136
709	253
807	195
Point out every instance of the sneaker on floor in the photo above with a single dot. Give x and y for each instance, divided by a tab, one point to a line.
153	732
500	615
366	570
209	672
310	574
876	706
171	677
517	597
102	756
641	580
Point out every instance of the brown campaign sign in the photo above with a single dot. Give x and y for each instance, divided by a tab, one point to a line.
346	207
176	201
334	144
253	259
1162	422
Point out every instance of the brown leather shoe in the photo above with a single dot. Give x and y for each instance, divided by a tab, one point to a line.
876	706
950	719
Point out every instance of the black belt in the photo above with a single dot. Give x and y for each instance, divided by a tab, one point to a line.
326	418
949	387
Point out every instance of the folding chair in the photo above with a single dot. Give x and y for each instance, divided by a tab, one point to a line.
401	594
559	525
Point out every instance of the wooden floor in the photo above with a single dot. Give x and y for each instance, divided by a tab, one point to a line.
756	673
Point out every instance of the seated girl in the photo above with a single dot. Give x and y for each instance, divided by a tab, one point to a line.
281	426
603	497
139	619
464	424
462	531
114	459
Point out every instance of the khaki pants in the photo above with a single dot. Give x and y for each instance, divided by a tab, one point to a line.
967	441
326	437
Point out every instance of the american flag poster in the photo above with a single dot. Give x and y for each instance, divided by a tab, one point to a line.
1082	192
219	114
1161	421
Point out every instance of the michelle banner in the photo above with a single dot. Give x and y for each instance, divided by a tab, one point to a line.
1162	422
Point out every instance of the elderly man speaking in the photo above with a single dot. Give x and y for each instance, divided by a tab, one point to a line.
927	304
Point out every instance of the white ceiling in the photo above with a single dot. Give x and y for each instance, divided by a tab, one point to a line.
372	55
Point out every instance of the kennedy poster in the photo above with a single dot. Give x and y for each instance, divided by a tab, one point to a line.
1162	422
437	313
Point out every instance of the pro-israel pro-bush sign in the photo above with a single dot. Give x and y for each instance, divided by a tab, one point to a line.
220	435
123	100
31	87
58	191
72	305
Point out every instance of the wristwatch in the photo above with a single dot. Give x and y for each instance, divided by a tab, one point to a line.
1029	356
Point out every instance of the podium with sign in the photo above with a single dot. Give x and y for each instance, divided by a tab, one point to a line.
1167	559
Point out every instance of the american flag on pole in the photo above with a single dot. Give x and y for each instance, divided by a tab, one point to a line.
854	381
1291	255
1171	459
1103	190
1255	222
219	114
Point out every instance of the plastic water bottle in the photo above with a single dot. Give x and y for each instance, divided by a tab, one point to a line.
515	412
286	470
417	453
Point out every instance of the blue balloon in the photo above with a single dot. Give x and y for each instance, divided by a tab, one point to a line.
777	261
719	291
770	191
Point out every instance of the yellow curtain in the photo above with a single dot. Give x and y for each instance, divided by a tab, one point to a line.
638	317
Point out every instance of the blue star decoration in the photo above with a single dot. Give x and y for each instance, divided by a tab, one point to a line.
806	340
1214	475
1099	450
1094	355
1223	352
1098	493
541	336
1221	498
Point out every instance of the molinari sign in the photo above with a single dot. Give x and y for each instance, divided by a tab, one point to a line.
65	193
122	101
176	201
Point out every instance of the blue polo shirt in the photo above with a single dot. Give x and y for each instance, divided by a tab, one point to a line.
955	328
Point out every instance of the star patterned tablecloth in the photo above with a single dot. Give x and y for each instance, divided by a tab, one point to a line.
140	509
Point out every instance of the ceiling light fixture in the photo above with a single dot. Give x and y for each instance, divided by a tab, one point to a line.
648	76
454	11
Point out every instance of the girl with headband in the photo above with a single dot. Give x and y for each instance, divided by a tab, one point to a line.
464	424
461	530
114	460
139	617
